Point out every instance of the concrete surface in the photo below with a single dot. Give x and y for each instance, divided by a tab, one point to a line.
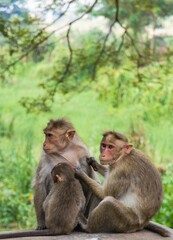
141	235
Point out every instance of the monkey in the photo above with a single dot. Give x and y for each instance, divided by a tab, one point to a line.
63	206
61	144
131	193
65	201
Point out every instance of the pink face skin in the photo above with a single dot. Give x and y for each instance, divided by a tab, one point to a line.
111	149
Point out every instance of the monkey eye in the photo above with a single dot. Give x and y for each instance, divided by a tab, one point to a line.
110	146
103	145
49	135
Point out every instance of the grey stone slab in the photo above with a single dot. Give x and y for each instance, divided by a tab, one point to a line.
141	235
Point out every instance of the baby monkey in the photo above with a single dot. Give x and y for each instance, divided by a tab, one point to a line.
65	203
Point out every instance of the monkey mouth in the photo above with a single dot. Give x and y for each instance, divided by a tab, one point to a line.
107	162
47	150
104	162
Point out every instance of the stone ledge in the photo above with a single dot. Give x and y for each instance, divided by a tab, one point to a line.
141	235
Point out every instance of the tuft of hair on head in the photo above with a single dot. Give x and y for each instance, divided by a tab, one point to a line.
61	123
116	135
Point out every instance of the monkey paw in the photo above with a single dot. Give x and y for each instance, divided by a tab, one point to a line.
41	227
92	162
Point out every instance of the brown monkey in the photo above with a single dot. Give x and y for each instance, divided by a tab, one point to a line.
63	206
62	144
131	193
65	201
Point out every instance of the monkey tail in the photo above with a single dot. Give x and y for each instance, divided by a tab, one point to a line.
25	233
157	228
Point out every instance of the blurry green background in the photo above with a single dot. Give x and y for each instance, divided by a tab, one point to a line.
109	86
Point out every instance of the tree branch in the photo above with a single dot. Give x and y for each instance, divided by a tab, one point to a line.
66	71
106	38
125	29
39	42
49	35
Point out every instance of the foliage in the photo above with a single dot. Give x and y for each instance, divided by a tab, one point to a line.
9	8
21	138
121	87
98	79
165	215
24	36
61	80
16	171
137	13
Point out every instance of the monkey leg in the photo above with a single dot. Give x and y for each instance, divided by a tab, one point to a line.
112	215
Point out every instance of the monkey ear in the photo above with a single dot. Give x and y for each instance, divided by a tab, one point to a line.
70	134
59	178
128	148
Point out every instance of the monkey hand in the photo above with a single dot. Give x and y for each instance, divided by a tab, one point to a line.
92	162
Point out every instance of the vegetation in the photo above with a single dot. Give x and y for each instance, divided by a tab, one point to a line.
99	81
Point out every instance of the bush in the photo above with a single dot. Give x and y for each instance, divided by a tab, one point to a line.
16	172
165	215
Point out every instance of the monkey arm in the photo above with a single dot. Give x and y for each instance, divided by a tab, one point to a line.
101	169
46	201
39	197
92	184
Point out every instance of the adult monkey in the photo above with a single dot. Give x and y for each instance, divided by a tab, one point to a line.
62	144
131	193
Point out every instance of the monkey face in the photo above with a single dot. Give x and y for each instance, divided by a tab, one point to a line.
110	149
109	153
55	141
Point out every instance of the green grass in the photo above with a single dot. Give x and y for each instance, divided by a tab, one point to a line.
21	137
